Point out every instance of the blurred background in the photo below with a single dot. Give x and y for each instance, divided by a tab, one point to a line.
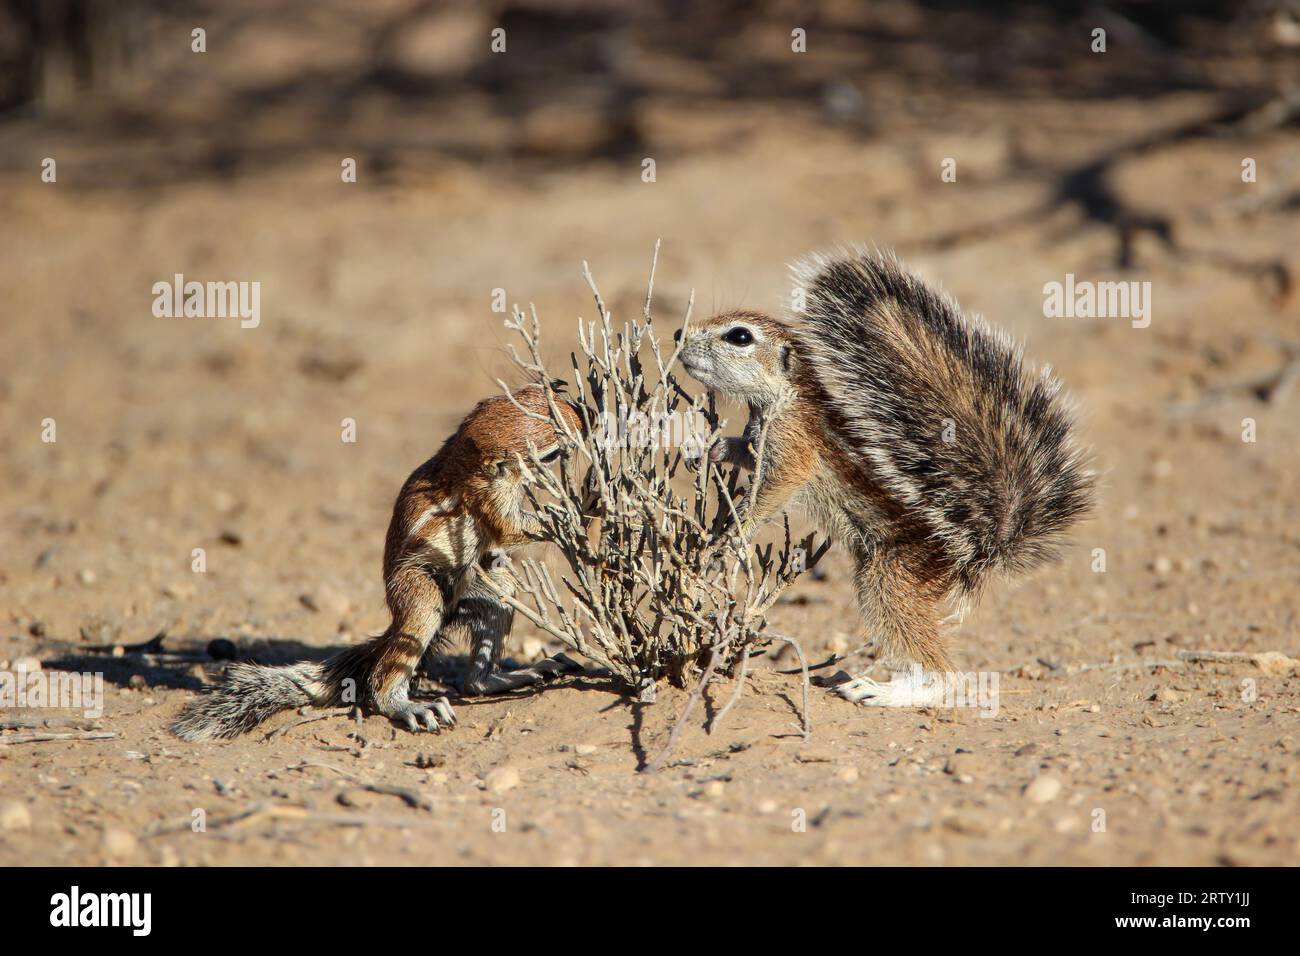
208	139
406	84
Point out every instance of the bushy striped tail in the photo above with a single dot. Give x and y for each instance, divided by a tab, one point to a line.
248	695
940	410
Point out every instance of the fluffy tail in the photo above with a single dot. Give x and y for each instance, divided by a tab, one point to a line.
940	410
249	695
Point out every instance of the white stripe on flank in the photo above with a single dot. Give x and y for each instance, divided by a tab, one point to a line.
446	506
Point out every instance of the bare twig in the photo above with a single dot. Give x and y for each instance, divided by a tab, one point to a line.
306	719
735	693
37	738
830	661
259	813
410	797
697	693
23	721
672	570
803	664
1270	662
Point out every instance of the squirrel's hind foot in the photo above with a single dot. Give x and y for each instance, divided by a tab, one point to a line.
499	681
420	717
906	689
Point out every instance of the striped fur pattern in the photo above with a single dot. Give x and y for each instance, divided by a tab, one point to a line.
940	409
249	694
481	622
911	433
453	515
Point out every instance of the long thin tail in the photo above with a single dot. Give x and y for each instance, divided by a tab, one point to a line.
249	694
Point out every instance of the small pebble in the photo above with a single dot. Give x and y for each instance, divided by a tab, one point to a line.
1067	824
118	843
502	779
962	765
1043	789
14	815
179	590
965	825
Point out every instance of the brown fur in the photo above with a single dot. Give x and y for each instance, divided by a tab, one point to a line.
453	513
460	504
911	431
903	578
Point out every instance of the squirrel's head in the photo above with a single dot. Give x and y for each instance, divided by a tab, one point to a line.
747	356
500	429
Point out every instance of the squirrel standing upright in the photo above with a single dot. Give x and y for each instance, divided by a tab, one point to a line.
454	515
911	433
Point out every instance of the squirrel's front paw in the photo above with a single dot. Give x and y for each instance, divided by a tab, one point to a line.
416	717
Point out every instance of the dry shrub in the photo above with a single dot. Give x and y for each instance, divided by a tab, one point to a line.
662	579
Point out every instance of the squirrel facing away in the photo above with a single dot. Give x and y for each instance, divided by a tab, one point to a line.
908	431
452	520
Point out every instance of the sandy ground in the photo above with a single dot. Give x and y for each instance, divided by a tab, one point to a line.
178	434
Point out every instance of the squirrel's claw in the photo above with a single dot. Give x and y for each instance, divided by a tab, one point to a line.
417	717
442	707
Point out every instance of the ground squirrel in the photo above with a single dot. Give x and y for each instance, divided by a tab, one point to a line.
455	515
908	431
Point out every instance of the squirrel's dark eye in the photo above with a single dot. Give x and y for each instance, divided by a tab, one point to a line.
738	336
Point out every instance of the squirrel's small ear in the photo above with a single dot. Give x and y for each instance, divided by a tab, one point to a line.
787	357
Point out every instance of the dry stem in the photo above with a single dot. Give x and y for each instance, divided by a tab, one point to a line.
671	574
